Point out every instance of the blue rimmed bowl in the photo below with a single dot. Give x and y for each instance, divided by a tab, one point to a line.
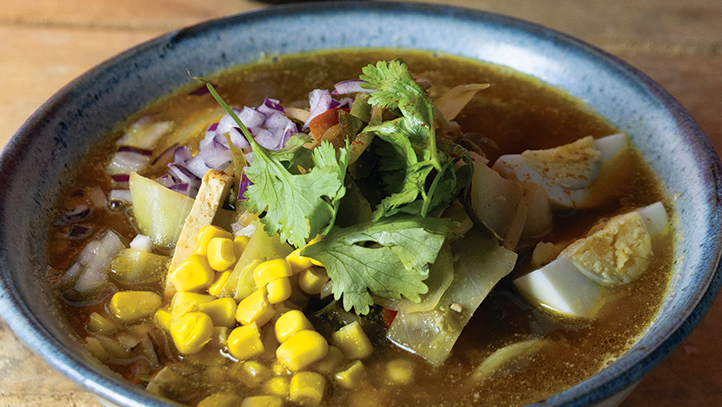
60	133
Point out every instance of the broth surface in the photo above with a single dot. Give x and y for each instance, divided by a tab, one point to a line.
515	114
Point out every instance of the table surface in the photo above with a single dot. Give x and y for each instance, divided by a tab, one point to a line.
46	43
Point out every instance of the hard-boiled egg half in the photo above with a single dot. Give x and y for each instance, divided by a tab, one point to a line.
614	255
568	172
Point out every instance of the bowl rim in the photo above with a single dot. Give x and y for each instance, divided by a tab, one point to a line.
29	329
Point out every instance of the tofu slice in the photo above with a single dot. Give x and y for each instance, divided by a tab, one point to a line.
213	190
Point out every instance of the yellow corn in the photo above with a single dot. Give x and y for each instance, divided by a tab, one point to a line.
277	386
289	323
307	388
352	340
219	337
302	349
353	377
401	371
222	311
279	290
262	401
271	270
312	280
188	302
331	363
99	324
205	235
255	308
220	253
217	287
239	245
191	331
130	306
194	273
298	263
279	369
270	343
244	342
254	373
162	318
224	399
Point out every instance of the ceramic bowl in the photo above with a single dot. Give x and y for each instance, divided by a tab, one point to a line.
60	133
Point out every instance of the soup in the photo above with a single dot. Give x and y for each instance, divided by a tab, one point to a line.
420	342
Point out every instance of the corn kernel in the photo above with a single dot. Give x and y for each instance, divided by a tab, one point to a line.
307	388
188	302
279	290
353	377
100	325
277	386
194	273
239	245
312	280
216	288
220	253
271	270
262	401
331	363
205	235
401	371
279	369
244	342
222	311
219	337
352	340
302	349
255	308
224	399
191	331
130	306
162	318
289	323
254	374
298	263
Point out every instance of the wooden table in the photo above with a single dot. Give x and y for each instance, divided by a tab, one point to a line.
46	43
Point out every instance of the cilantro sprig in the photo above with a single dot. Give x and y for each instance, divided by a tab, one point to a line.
297	206
387	258
421	177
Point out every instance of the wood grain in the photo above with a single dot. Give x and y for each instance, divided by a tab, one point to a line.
46	43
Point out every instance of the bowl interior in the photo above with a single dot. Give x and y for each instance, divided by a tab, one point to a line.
37	159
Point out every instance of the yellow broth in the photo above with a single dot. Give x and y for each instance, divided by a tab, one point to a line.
516	113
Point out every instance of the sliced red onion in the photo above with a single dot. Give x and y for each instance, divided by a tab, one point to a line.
125	162
244	184
120	178
180	173
166	180
320	100
216	156
352	86
345	103
96	196
78	232
182	155
76	214
197	166
270	106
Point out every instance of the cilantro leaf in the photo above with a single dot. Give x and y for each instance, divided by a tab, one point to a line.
387	258
298	206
